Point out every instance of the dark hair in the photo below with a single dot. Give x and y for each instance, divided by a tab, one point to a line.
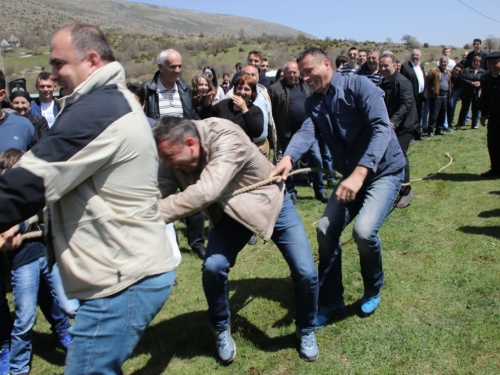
278	74
477	40
238	66
460	65
340	60
250	81
214	75
86	38
138	90
197	98
43	76
353	49
477	58
254	52
10	157
176	129
2	80
317	53
264	59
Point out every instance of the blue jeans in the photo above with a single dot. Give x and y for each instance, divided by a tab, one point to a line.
226	241
106	330
26	281
372	205
313	156
68	306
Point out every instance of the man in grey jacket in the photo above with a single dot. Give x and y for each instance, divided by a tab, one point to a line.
209	160
97	171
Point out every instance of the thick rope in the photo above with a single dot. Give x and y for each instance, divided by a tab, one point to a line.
307	170
39	233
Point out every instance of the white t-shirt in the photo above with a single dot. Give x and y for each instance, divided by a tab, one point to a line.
48	112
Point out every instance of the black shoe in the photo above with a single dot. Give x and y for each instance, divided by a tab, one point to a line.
294	199
430	135
322	197
448	130
439	132
200	251
419	138
490	174
252	240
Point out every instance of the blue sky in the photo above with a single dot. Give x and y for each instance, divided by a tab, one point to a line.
437	22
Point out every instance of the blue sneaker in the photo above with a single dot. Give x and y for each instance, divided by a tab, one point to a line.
327	315
308	346
4	361
64	341
369	304
226	348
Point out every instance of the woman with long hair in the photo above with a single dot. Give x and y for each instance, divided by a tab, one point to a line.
209	72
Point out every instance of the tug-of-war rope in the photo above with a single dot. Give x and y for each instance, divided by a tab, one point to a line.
39	233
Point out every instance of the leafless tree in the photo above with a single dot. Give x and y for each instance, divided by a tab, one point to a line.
410	40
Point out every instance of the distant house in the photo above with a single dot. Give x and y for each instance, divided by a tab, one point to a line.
5	46
14	42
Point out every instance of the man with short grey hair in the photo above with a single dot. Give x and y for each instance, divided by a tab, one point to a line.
415	72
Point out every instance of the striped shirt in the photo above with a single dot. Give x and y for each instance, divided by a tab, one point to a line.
169	101
346	69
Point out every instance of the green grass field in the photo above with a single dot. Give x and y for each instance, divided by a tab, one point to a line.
440	310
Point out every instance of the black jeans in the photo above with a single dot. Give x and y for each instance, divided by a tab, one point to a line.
437	111
404	142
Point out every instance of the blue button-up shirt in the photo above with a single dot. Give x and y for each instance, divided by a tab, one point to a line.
354	123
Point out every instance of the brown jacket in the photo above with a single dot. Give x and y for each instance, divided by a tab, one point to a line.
433	82
230	161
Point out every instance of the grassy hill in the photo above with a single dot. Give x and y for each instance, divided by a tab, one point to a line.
128	17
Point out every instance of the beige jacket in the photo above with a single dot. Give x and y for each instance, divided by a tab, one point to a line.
230	161
97	170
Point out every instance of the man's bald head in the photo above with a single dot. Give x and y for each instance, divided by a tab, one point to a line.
291	73
251	71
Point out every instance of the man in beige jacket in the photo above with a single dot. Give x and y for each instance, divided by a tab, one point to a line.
209	160
96	169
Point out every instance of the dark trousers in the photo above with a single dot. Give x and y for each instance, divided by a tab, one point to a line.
437	112
5	319
493	140
195	227
404	142
419	100
466	102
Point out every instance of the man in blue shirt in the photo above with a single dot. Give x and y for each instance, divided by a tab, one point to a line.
349	113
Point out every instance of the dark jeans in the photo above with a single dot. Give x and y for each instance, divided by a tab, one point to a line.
5	319
437	112
314	161
404	142
195	227
466	102
326	157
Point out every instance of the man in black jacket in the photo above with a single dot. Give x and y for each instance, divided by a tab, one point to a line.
168	94
415	72
401	108
288	97
490	97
